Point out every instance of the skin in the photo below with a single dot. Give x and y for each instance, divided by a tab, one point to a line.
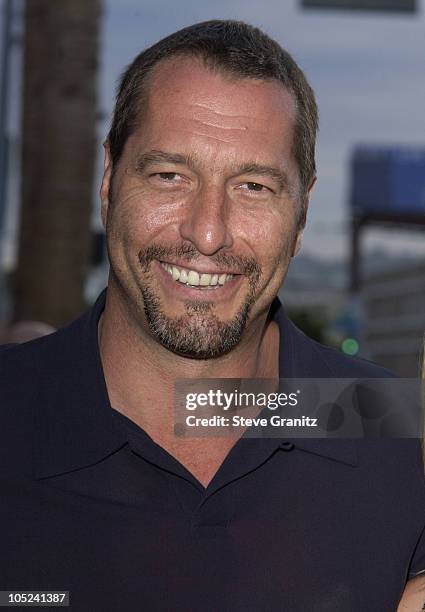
208	206
413	599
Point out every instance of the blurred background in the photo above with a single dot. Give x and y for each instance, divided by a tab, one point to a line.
359	281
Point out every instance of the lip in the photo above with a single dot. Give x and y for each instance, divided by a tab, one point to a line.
225	292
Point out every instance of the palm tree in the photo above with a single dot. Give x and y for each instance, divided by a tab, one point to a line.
58	156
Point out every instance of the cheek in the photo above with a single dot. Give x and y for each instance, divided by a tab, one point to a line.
139	216
271	235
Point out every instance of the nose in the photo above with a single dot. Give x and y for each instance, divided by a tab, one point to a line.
206	221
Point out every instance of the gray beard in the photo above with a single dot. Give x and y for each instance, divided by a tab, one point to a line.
199	333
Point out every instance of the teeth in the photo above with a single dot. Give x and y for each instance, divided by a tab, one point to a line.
205	280
183	276
194	279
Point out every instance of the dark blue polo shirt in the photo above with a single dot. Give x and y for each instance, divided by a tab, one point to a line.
91	504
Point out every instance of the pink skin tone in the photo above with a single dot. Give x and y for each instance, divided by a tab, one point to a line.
413	599
208	201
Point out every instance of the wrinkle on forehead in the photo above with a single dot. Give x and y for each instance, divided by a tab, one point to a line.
191	123
207	115
203	120
208	108
217	139
284	99
242	128
221	122
215	109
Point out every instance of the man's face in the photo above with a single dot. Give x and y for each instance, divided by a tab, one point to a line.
201	217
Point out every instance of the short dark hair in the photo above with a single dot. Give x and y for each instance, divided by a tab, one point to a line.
231	47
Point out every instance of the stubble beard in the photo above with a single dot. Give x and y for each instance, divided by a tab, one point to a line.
199	333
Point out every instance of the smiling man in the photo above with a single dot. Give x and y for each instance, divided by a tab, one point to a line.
209	167
204	210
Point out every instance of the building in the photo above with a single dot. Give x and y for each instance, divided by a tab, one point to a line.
394	302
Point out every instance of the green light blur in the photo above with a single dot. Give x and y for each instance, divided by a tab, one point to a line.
350	346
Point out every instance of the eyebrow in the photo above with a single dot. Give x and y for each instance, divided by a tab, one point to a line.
152	157
277	174
155	157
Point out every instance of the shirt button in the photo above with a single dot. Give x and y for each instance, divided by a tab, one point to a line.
287	445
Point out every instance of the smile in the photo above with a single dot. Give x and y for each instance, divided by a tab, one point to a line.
193	278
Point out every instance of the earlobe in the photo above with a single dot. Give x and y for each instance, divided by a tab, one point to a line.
106	182
298	241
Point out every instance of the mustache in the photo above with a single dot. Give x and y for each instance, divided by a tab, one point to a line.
188	253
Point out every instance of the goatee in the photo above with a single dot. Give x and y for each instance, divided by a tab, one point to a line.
199	333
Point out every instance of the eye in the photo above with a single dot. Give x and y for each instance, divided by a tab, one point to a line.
251	187
255	186
167	176
167	179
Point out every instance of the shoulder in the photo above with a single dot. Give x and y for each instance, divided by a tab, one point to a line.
23	369
357	367
29	368
24	358
303	357
20	368
394	459
337	363
34	375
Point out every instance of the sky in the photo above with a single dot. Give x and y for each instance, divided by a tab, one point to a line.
367	70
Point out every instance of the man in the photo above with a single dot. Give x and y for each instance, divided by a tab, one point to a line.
209	166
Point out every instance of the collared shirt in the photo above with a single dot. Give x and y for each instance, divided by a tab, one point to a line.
92	505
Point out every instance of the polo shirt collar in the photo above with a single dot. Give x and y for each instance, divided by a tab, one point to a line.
74	422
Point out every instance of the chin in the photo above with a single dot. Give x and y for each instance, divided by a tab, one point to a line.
198	332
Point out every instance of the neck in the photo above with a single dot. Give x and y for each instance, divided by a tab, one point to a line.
140	373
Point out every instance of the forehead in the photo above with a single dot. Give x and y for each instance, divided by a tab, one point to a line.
190	104
186	75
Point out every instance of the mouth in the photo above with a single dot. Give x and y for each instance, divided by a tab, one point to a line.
204	281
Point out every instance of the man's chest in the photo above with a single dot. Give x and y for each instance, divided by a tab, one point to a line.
122	531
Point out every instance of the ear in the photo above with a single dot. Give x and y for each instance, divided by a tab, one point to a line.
298	241
297	245
106	183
